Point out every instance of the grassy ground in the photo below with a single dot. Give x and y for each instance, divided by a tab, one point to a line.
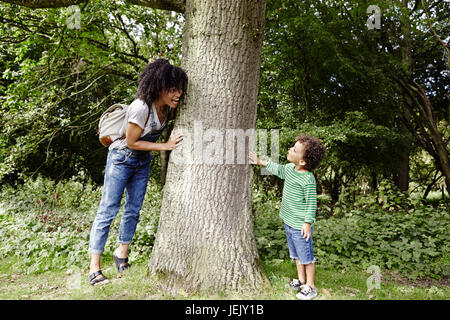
138	285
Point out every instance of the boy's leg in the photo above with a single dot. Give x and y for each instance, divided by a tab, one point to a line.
309	291
291	235
307	265
301	271
310	270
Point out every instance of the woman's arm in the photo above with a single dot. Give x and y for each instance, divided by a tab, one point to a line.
133	132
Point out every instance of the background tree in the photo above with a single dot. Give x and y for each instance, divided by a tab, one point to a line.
321	64
57	81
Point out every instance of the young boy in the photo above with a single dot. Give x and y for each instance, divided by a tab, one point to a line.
298	206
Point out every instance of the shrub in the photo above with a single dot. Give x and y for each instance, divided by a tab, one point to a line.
384	229
415	242
47	226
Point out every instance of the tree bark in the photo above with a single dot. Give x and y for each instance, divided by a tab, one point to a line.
205	235
164	155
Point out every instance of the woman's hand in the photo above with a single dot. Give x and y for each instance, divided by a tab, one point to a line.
174	140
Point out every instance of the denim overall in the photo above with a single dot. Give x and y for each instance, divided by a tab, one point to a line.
128	170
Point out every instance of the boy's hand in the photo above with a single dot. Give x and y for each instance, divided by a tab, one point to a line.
252	156
306	231
255	160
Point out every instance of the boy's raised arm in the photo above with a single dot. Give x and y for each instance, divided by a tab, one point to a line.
272	167
255	160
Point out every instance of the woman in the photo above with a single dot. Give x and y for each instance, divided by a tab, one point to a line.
161	88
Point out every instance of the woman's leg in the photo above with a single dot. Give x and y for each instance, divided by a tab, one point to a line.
135	194
95	263
116	177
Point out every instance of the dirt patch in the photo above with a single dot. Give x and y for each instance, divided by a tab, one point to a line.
420	282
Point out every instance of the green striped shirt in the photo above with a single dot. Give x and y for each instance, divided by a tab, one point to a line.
299	202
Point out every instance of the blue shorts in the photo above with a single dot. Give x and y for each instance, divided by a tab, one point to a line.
299	248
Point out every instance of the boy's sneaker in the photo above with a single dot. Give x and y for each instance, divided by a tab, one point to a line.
307	293
295	284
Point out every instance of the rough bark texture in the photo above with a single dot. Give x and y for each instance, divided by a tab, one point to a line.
205	236
164	156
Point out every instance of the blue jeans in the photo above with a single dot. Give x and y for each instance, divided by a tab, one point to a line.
127	171
299	248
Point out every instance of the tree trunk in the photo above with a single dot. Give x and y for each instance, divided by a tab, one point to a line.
205	236
429	137
420	108
402	176
164	155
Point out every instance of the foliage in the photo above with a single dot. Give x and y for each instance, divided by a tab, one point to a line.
384	229
356	149
56	81
47	225
322	67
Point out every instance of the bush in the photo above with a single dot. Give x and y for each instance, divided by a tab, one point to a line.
47	226
384	229
414	242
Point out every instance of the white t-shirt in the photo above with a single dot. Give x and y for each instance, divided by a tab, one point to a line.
137	113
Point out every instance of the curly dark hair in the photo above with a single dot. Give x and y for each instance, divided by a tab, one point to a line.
314	151
158	76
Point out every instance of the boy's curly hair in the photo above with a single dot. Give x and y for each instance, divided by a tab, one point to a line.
158	76
314	151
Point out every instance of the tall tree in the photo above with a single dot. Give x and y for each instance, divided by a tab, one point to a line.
205	235
424	105
322	63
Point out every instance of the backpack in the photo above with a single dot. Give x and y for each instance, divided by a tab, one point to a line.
110	123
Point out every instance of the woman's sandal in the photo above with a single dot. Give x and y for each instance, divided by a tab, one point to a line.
119	261
94	275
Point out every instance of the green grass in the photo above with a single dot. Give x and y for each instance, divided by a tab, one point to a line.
136	284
